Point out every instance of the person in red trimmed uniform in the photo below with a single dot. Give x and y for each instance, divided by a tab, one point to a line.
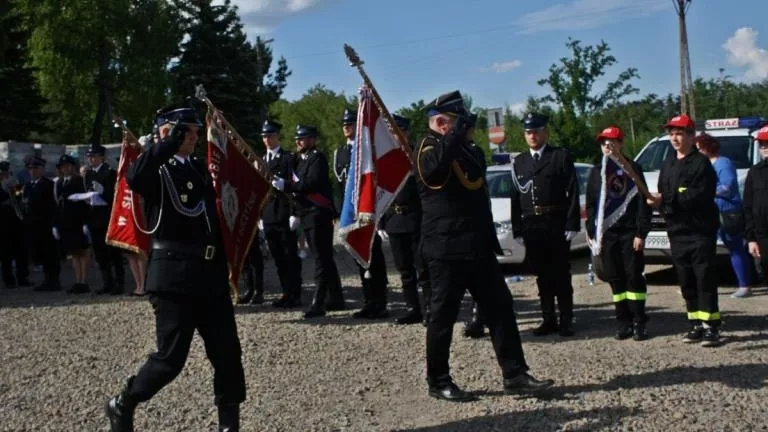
686	199
623	242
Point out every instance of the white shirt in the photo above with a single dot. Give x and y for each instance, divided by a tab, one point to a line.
271	154
181	159
537	152
97	168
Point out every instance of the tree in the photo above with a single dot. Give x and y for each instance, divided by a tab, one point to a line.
572	83
234	72
21	105
419	126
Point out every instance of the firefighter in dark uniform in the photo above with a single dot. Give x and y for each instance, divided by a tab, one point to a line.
314	205
401	225
187	274
756	205
545	216
343	155
622	244
253	273
374	279
39	211
12	248
457	243
70	222
686	199
278	221
101	178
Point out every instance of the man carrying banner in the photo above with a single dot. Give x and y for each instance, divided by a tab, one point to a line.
314	205
618	220
278	221
100	178
458	243
187	275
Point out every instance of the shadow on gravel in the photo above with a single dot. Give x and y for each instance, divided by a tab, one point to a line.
541	419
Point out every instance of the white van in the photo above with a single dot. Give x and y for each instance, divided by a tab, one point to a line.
737	143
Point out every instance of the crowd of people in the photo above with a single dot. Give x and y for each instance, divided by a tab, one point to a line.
440	230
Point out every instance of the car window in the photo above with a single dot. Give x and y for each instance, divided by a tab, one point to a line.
653	156
583	173
738	149
499	183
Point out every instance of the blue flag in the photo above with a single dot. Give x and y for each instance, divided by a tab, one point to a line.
617	189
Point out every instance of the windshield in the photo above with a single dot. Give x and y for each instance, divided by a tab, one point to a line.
735	148
583	173
499	183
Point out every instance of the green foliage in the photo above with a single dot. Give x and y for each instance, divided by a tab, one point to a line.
233	71
419	121
21	104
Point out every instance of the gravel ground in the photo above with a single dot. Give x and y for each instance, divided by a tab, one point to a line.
63	356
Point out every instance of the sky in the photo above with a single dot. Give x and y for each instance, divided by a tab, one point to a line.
496	50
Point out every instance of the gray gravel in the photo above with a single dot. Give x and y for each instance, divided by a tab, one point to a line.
62	356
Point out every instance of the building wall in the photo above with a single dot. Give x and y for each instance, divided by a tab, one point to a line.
15	152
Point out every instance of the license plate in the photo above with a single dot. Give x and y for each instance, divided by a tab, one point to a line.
658	241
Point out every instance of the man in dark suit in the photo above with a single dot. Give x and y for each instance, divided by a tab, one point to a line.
39	210
545	216
100	178
311	189
187	274
401	225
12	248
458	243
278	221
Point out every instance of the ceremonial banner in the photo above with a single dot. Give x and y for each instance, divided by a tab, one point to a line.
616	192
240	194
378	170
127	209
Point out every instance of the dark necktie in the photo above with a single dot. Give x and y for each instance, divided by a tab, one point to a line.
536	157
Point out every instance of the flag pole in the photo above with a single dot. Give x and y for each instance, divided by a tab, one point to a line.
356	62
621	160
127	134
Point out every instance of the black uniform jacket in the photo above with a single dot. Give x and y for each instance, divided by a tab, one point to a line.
554	192
172	270
314	201
687	187
756	202
39	205
637	217
107	177
278	209
456	215
404	214
71	215
341	158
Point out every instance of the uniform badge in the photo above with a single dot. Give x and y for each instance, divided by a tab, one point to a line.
190	185
184	198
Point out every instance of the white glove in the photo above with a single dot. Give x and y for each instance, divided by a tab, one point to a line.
145	141
293	223
278	183
97	187
55	232
569	235
86	231
383	234
261	225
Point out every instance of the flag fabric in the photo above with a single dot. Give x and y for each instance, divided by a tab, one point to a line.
240	195
127	217
617	190
378	170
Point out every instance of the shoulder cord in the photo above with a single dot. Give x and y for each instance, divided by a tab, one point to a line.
418	168
523	189
159	213
199	209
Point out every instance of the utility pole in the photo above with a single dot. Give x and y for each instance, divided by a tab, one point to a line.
687	101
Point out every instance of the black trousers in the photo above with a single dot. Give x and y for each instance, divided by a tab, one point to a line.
483	276
375	288
108	258
284	249
694	259
44	250
176	319
254	268
13	249
327	281
763	244
548	255
410	265
623	268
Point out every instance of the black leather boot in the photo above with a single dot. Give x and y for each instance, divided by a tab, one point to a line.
565	304
229	418
120	410
317	309
549	322
475	328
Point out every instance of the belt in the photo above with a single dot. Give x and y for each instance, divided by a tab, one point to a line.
207	252
542	210
400	209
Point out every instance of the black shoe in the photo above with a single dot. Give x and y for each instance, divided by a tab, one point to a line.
282	301
46	286
638	332
525	383
427	316
258	299
363	313
450	392
78	288
412	316
245	297
293	302
378	312
694	334
120	414
118	290
314	312
336	305
546	328
624	331
229	418
10	283
711	337
474	330
24	282
565	328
